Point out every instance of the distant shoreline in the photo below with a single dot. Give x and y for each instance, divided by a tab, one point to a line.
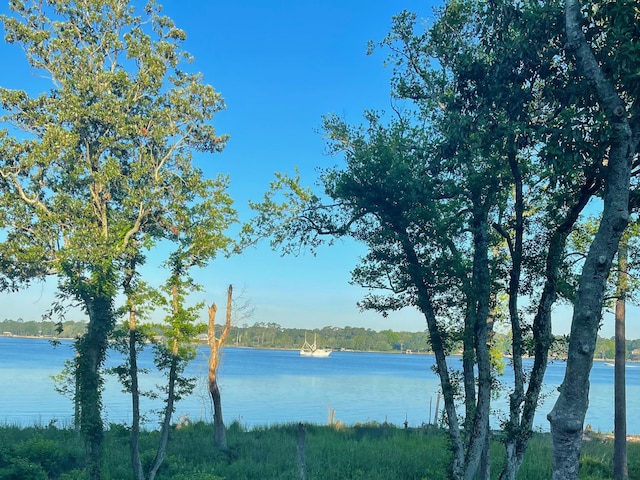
293	349
392	352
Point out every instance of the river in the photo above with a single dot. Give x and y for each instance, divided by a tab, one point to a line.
263	387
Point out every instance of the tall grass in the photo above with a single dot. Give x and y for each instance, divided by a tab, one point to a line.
370	451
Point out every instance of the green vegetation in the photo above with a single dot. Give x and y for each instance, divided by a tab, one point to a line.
272	335
370	451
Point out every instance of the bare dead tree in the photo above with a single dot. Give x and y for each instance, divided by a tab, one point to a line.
215	344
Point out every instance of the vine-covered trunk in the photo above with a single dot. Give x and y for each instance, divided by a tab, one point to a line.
91	348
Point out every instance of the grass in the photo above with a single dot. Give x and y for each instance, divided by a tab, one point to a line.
370	451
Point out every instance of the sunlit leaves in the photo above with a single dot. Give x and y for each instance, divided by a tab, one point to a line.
106	151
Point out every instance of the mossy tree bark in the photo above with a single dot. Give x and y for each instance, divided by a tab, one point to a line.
92	348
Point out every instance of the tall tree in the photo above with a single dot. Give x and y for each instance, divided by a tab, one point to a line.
198	233
499	112
510	75
177	348
101	159
605	63
427	237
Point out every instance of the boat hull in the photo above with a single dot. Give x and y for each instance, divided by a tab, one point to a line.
318	352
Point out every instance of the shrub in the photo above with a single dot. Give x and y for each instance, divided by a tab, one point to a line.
22	469
53	457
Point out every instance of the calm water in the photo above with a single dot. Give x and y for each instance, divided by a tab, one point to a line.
262	387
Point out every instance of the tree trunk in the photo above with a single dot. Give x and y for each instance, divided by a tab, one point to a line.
567	415
219	430
437	344
134	438
166	423
480	300
171	389
523	408
458	463
215	344
620	396
76	396
91	348
468	366
515	244
302	451
136	462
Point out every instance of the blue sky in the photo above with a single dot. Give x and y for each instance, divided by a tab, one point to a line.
281	66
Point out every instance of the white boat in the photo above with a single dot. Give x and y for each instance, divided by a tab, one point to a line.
312	350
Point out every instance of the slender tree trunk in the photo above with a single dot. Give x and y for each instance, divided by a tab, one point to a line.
466	454
512	460
481	299
76	397
468	365
215	344
134	447
437	344
171	391
136	462
567	415
523	406
302	451
620	471
168	412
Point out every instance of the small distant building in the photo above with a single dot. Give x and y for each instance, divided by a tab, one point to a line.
203	337
635	354
7	334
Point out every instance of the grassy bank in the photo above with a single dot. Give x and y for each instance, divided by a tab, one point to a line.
368	452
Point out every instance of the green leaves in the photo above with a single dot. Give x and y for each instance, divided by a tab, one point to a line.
106	152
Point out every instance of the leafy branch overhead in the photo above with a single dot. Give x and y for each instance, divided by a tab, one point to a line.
111	143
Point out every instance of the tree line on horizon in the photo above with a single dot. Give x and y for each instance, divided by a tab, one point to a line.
273	335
